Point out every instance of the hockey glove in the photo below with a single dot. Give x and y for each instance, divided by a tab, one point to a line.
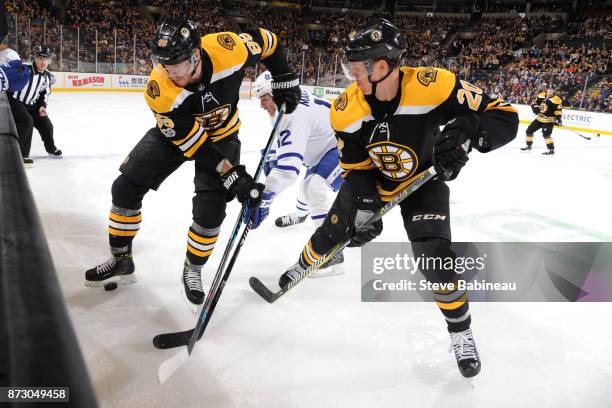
450	152
257	215
14	76
240	183
286	90
535	108
558	122
366	206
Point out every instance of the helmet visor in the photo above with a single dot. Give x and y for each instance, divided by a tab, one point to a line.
356	70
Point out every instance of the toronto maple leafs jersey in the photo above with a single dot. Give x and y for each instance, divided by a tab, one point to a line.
303	138
394	144
200	114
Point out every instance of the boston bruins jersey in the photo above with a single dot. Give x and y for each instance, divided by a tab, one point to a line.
547	109
206	112
395	145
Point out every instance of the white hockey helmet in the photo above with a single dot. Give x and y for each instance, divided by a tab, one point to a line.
263	84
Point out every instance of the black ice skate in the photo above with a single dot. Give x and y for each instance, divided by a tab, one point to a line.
526	148
550	152
118	268
192	284
291	275
465	352
327	270
289	220
56	153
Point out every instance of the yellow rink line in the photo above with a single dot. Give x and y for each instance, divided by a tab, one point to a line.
526	122
578	129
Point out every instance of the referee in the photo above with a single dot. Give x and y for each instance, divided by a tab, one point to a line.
29	106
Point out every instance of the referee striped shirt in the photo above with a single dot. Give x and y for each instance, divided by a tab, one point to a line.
37	90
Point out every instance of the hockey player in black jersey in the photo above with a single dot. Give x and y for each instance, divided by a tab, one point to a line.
387	126
193	92
547	107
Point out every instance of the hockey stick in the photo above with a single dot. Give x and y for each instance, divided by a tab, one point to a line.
579	134
190	337
271	297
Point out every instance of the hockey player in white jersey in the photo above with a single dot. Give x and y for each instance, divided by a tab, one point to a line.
304	138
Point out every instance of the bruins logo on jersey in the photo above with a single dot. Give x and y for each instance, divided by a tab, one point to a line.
395	161
215	118
427	76
226	41
153	89
543	107
341	102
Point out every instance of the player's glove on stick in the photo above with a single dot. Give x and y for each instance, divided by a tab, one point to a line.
535	108
366	206
286	90
240	183
558	122
450	152
14	76
259	214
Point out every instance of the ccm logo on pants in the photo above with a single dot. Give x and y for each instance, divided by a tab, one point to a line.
420	217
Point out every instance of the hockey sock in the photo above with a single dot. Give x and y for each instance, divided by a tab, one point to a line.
308	255
455	307
529	140
123	225
301	208
200	243
549	143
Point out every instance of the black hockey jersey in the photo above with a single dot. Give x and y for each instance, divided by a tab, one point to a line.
399	146
547	109
207	111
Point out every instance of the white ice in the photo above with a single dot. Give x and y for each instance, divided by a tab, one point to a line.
320	346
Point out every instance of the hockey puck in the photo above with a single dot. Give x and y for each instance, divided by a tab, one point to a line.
110	286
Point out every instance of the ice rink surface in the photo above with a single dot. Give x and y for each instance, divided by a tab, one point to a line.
320	346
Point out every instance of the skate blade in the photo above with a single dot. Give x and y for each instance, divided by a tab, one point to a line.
193	308
325	273
121	280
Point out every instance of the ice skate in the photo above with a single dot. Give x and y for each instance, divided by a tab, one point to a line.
118	268
289	220
462	343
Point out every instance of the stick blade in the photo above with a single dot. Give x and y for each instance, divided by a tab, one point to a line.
169	367
262	290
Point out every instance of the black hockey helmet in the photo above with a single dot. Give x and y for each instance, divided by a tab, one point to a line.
379	39
175	41
43	51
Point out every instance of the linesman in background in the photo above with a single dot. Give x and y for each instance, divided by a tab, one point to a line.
547	108
29	106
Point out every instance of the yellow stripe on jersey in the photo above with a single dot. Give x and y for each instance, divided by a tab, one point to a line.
270	41
349	110
386	195
196	125
423	89
232	125
161	94
227	52
196	146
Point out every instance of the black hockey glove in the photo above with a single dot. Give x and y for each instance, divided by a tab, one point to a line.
450	152
240	183
535	108
286	90
558	122
366	206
